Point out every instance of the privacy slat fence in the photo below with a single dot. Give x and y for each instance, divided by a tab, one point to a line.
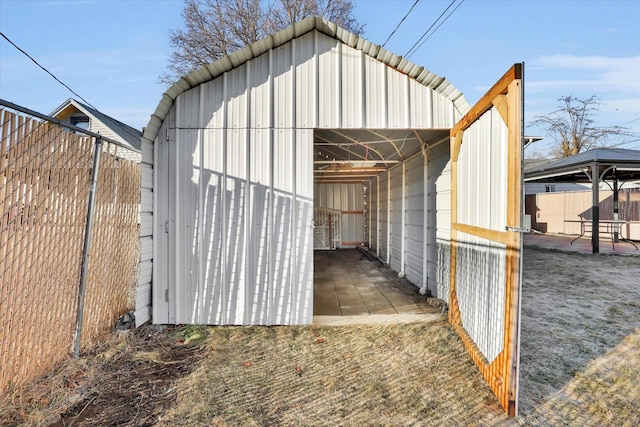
45	175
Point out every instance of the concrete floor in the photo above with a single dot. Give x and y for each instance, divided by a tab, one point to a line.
352	290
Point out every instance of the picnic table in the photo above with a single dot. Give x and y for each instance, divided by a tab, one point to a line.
613	228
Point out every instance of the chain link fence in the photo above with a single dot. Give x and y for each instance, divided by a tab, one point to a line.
45	181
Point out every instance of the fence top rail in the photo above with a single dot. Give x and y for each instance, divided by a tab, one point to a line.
65	125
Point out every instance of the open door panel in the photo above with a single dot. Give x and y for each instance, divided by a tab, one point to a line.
486	244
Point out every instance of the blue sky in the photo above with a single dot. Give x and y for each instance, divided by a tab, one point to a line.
111	52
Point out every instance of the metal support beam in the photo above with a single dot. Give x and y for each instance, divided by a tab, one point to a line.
595	209
91	204
616	216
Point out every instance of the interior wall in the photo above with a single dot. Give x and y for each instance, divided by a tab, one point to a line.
400	206
349	199
439	220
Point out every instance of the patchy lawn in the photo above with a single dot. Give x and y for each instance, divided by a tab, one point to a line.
580	366
580	327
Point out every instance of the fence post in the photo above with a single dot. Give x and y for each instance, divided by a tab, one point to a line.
87	247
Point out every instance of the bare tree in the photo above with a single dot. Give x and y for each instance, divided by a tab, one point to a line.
572	126
215	28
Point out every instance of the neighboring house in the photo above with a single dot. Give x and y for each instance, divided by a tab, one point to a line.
78	114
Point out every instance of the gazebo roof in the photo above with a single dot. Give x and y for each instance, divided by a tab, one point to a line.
625	163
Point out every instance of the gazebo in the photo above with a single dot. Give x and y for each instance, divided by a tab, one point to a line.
615	165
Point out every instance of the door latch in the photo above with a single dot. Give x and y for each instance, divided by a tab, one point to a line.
518	229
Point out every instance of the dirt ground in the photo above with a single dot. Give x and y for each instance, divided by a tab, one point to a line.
580	365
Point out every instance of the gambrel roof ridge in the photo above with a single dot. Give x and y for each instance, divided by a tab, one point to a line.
211	71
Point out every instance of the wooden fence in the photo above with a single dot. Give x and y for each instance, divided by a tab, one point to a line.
45	174
557	212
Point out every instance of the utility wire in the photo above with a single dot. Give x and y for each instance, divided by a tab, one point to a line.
47	71
420	41
436	29
400	23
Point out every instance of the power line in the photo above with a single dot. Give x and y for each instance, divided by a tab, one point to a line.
47	71
417	45
400	23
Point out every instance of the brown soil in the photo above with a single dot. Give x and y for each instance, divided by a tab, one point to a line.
128	381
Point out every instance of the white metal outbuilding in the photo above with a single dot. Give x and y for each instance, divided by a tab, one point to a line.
239	153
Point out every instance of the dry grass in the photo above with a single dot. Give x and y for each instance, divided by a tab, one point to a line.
580	366
415	374
576	311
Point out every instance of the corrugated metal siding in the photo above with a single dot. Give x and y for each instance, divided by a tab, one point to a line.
439	220
397	216
349	199
385	216
481	263
482	168
235	182
372	210
415	220
160	242
243	201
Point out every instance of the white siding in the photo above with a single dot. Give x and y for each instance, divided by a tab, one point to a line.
397	219
482	202
383	204
349	199
439	220
372	210
414	221
232	195
432	271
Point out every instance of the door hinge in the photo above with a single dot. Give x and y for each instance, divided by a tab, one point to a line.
166	295
166	226
518	229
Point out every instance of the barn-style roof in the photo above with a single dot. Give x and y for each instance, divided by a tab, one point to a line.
209	72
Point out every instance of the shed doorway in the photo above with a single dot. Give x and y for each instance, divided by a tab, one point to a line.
377	190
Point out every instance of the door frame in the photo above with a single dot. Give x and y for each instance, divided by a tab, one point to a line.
505	98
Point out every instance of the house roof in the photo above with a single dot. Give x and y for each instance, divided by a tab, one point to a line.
626	164
121	131
209	72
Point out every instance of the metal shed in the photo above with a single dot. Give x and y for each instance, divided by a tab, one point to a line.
239	153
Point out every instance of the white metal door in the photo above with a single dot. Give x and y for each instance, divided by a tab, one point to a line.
486	244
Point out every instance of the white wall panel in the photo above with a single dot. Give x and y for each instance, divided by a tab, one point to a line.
306	81
375	78
414	220
328	82
439	220
421	113
396	219
372	209
480	168
384	216
351	88
349	199
398	100
260	88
